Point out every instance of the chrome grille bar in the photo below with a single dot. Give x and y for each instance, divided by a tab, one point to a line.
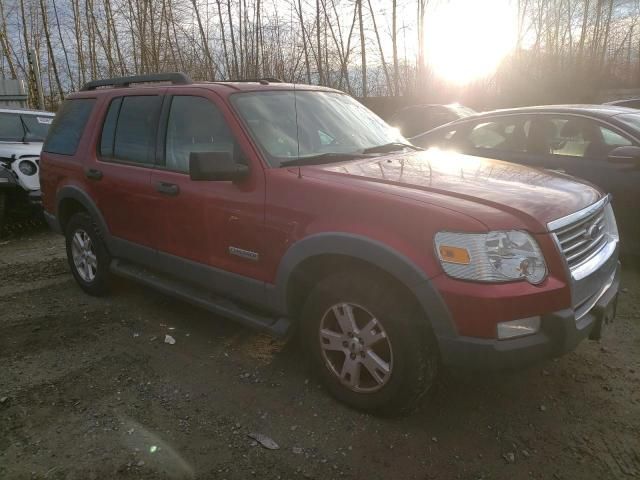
581	235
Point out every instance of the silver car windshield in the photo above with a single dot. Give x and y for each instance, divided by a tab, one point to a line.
288	125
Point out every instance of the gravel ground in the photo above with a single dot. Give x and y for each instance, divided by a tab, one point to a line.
89	389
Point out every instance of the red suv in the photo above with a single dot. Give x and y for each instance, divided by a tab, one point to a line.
285	206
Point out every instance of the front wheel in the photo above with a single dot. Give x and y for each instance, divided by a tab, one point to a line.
368	342
87	255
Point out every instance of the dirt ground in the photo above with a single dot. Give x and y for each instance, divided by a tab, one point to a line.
90	390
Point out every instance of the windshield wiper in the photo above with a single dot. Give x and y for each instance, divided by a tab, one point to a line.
321	158
390	147
26	130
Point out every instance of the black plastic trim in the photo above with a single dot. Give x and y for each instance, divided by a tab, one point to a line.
559	334
75	193
202	297
244	289
176	78
371	251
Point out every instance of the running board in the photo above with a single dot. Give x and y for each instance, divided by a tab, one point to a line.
201	298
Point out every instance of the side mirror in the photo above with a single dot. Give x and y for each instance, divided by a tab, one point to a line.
629	156
216	166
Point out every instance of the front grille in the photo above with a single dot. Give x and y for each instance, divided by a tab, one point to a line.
582	239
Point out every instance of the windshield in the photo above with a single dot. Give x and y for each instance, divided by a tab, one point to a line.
37	126
632	119
289	125
16	127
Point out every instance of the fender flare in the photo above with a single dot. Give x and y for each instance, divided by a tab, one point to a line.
375	253
75	193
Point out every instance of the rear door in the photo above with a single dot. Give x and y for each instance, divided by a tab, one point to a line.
213	224
120	178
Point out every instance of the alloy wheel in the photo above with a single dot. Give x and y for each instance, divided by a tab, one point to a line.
355	347
84	256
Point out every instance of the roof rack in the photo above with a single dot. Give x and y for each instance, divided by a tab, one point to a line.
262	81
175	78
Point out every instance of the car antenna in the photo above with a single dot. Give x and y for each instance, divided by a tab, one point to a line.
295	108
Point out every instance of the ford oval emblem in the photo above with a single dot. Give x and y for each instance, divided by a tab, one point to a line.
593	231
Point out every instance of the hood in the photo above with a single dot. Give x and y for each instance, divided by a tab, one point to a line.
7	149
540	195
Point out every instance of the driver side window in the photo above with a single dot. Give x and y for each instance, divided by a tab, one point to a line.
195	125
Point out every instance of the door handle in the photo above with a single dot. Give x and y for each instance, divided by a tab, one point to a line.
93	174
167	188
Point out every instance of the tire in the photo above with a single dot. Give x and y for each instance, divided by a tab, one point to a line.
89	262
401	339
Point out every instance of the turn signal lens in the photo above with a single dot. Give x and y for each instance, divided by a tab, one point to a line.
454	255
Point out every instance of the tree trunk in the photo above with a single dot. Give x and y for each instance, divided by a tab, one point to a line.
319	46
236	73
363	50
384	63
394	43
4	43
304	42
210	74
45	25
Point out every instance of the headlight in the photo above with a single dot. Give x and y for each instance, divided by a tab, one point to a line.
500	256
27	167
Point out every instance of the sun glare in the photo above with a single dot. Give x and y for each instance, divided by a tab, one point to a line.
465	40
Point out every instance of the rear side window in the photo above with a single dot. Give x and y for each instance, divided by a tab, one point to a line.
67	128
129	129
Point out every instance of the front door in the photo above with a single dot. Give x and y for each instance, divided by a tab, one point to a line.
211	231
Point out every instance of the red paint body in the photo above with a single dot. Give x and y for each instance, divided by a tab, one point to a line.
399	200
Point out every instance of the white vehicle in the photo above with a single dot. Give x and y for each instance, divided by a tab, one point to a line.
22	133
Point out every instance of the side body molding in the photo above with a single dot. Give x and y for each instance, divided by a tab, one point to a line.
373	252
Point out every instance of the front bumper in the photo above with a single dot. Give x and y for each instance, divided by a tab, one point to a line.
559	333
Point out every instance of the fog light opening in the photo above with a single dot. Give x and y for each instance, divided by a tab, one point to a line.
518	328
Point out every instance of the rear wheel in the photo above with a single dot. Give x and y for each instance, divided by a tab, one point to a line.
88	257
368	343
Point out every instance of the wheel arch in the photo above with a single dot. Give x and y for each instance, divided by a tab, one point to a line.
70	200
308	258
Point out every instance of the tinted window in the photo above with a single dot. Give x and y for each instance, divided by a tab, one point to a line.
109	128
508	134
135	132
10	127
614	139
68	126
195	125
573	137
